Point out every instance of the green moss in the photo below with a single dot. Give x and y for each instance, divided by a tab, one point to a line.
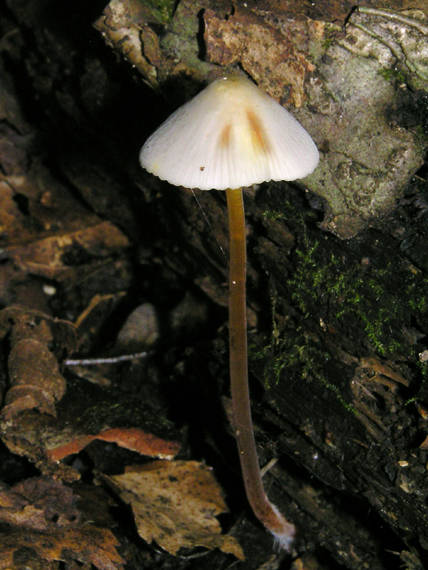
393	74
161	10
271	215
367	305
376	300
318	46
300	354
180	43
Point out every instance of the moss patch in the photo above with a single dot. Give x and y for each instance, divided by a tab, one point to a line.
302	356
377	298
161	10
361	297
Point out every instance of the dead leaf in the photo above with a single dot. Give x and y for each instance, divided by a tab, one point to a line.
44	515
34	376
35	341
384	372
43	503
37	385
134	439
89	545
47	231
376	381
22	322
39	503
424	444
51	257
175	503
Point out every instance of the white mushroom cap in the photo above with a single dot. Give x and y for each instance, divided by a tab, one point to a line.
230	135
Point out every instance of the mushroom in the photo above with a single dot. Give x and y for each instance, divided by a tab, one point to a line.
229	136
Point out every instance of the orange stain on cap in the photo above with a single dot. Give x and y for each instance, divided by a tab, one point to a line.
224	140
258	135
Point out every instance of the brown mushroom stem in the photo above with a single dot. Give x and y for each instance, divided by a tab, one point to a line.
264	510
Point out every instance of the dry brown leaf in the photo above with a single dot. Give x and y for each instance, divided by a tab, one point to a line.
52	256
35	341
383	372
175	503
43	503
134	439
27	424
39	503
35	379
424	444
44	515
89	545
47	231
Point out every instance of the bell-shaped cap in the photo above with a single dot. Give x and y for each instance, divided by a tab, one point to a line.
230	135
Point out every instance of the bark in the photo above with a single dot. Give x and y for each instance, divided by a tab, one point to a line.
337	265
